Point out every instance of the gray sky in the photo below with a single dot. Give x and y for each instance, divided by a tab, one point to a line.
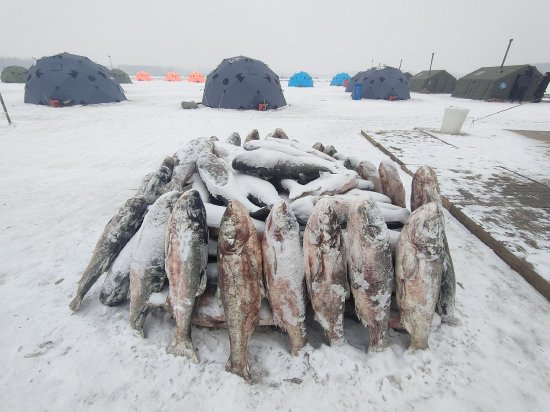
321	37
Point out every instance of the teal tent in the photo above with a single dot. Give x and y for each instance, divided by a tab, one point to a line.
300	79
340	79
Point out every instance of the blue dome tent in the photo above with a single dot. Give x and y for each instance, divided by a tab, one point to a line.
300	79
387	83
68	79
340	79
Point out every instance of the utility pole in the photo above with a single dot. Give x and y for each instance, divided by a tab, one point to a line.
430	71
506	54
401	61
5	109
110	62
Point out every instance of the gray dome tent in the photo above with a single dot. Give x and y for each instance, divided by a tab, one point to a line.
434	81
243	83
384	83
67	79
121	76
352	81
489	83
14	74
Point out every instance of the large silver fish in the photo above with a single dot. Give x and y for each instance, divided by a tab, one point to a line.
425	188
325	267
186	262
154	183
391	183
234	139
269	163
418	269
116	285
147	274
240	282
186	162
220	181
366	170
284	273
370	269
253	135
325	184
120	229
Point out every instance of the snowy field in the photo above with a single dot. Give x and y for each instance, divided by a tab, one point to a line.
63	174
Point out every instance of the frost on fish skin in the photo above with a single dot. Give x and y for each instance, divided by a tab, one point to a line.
116	285
120	229
418	271
325	268
147	274
284	273
240	282
391	183
370	269
186	243
325	184
425	188
269	163
220	181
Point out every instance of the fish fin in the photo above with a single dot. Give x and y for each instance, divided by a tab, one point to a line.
184	349
202	285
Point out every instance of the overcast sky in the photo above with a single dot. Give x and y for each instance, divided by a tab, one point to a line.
322	37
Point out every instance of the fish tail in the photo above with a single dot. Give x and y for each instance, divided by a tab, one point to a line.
239	368
183	348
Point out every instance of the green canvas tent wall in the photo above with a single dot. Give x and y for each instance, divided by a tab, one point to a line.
488	83
434	81
121	76
14	74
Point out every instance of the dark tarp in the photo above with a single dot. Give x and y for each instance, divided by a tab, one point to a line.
488	83
435	81
13	74
243	83
383	83
121	76
70	79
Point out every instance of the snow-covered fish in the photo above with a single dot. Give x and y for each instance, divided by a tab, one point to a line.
303	207
391	183
234	139
370	269
284	273
253	135
418	269
220	181
330	150
273	163
425	188
214	214
325	184
227	151
147	274
116	285
240	282
325	267
192	150
153	184
366	170
120	229
261	191
279	134
186	263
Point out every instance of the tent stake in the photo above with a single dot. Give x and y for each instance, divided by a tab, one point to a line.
5	109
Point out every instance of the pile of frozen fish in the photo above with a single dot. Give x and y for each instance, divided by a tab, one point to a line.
231	235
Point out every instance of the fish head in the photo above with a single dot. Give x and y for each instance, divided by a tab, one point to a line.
192	208
330	233
428	227
235	227
215	167
374	226
281	220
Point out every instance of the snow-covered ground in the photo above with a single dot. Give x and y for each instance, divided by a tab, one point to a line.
64	172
